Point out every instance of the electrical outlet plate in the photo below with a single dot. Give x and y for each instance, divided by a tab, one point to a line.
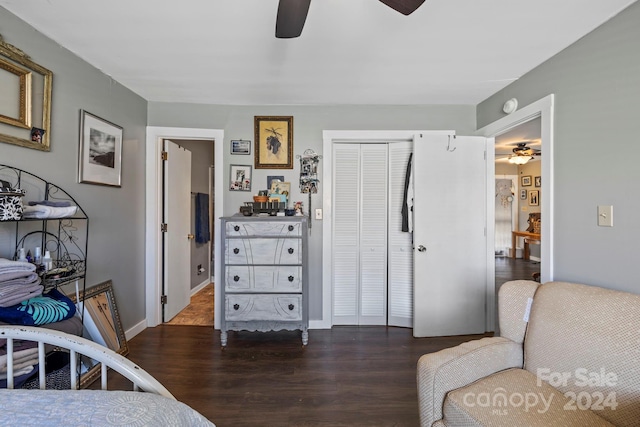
318	213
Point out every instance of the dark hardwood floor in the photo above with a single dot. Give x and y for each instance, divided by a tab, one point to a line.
346	376
514	269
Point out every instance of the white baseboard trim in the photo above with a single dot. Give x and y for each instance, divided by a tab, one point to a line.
200	287
319	324
135	330
535	258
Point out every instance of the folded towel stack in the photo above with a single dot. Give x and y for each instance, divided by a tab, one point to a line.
18	282
41	211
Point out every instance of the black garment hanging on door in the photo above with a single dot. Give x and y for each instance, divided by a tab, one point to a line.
405	206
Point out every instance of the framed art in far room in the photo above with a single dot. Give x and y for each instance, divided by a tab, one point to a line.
100	157
525	180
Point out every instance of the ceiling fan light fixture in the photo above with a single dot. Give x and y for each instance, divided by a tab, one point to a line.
519	160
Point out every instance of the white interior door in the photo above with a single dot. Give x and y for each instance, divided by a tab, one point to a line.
177	216
450	261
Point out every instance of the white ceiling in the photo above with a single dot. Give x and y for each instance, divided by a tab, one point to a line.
350	51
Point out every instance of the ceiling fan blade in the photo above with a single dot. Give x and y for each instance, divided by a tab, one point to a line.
406	7
291	17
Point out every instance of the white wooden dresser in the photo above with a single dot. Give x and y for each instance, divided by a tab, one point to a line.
264	275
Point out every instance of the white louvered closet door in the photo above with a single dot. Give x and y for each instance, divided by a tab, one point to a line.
400	276
346	233
360	234
373	234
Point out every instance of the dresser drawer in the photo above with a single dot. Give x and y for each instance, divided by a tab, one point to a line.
263	251
241	278
239	307
263	228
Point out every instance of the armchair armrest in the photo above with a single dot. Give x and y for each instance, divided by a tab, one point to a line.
452	368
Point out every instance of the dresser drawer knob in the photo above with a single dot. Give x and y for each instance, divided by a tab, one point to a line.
291	306
236	306
237	228
291	278
291	228
236	251
290	250
236	278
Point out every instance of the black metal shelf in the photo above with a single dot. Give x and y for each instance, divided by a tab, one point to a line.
65	238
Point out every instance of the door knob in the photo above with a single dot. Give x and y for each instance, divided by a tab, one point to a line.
191	236
422	249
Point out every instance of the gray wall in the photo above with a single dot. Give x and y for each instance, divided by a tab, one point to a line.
308	124
201	159
116	232
597	86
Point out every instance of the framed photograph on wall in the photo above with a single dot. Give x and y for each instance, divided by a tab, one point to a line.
525	180
534	198
537	181
100	159
240	178
240	146
273	142
523	194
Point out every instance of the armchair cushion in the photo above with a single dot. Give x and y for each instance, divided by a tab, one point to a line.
515	397
449	369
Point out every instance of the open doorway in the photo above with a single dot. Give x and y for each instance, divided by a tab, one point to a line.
200	310
153	235
543	109
518	195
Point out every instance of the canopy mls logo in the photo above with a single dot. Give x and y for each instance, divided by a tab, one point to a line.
500	401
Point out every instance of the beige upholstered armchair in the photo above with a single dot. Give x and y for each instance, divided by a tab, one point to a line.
568	355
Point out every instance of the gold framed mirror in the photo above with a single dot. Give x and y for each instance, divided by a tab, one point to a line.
102	325
25	107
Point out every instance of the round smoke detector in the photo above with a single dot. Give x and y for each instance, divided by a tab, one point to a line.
510	106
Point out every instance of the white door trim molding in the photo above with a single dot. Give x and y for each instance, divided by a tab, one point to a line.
543	108
153	215
330	137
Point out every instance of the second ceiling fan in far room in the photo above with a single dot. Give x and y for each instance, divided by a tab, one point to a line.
292	14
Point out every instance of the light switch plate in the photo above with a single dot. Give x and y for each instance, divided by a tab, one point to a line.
605	216
318	213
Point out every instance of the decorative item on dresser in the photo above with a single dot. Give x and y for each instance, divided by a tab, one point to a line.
264	275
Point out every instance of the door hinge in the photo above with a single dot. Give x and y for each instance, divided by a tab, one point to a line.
163	227
163	299
164	155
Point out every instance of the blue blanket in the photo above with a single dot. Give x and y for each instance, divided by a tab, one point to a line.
203	234
48	308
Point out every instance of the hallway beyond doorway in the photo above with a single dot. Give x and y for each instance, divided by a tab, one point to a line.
199	312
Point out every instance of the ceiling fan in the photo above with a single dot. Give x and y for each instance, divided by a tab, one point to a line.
293	13
521	154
